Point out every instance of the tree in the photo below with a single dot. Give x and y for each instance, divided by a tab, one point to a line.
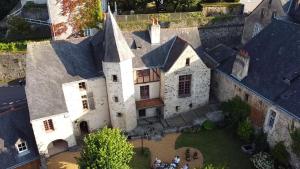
82	13
105	149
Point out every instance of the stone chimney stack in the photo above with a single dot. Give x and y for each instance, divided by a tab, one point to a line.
294	10
241	65
155	32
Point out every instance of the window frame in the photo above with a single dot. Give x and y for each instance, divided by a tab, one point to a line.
20	145
187	62
271	119
114	78
184	86
48	125
85	104
142	111
145	92
82	85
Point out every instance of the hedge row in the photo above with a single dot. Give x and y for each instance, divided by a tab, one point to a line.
13	46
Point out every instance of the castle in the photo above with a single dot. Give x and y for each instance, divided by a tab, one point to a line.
113	78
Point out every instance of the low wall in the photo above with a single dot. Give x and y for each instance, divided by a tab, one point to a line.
12	66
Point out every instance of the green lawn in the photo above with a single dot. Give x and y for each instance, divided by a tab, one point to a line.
218	147
140	160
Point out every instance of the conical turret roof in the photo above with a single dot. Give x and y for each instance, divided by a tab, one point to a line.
116	47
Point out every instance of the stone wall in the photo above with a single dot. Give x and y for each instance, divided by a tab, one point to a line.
228	9
225	87
123	88
96	116
200	84
63	131
12	66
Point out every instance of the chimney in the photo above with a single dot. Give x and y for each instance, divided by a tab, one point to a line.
241	65
294	10
155	32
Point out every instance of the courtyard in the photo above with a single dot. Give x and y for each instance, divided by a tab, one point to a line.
217	147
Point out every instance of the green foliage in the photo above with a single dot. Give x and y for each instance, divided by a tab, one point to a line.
245	130
209	125
295	135
141	159
261	143
280	154
236	110
13	47
17	25
262	160
211	166
106	149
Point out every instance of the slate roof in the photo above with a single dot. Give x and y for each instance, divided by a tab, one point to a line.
148	55
116	49
274	70
15	125
51	64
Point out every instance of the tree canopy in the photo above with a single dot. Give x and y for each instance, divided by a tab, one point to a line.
105	149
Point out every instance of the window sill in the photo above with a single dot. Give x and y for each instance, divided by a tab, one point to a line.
23	153
184	96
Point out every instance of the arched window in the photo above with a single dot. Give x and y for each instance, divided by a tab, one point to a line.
272	117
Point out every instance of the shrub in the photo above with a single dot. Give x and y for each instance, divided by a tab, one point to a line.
211	166
262	160
280	154
245	130
236	110
208	125
261	143
13	46
295	135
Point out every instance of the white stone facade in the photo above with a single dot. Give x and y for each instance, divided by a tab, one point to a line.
200	84
123	111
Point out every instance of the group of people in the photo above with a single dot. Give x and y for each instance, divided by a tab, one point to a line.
158	164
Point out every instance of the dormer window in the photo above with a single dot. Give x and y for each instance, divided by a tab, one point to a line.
271	120
82	85
21	146
187	62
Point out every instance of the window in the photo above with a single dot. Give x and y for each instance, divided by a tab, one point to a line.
116	99
246	97
85	104
146	75
177	108
84	96
115	78
271	119
119	114
191	105
21	146
184	86
142	113
82	85
187	62
48	125
144	91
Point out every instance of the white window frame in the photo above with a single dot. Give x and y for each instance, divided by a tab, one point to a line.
267	127
20	142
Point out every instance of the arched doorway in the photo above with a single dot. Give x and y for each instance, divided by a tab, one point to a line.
57	146
84	128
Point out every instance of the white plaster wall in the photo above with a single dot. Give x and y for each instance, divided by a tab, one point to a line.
55	17
154	90
97	118
124	90
150	112
200	85
63	130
